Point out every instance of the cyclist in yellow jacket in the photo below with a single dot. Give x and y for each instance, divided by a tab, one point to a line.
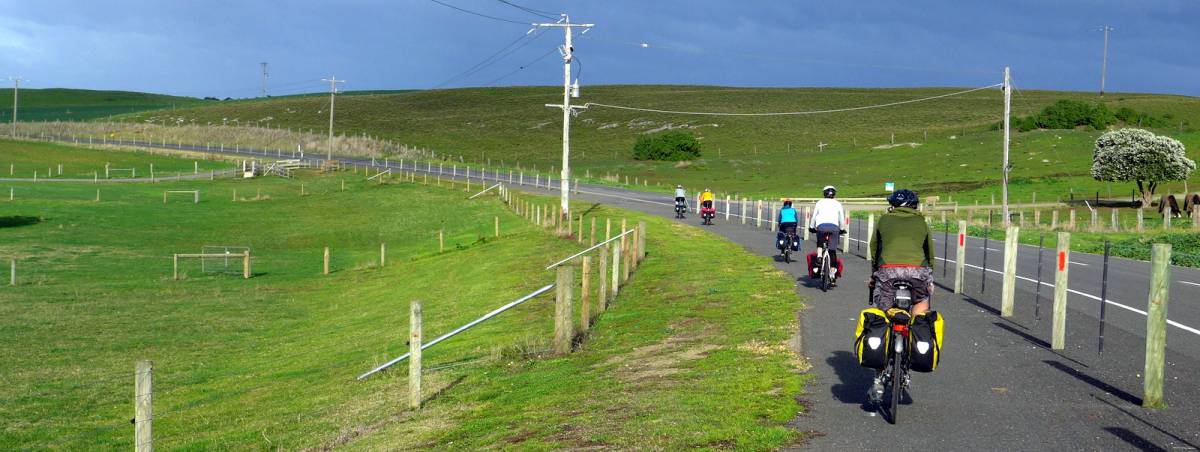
706	199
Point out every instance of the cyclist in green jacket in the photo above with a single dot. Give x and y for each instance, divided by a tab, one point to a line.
902	249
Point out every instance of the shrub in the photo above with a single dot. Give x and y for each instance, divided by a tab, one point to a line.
669	146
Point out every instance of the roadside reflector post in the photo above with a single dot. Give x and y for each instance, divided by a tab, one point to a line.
960	256
1008	292
1156	325
1058	333
870	233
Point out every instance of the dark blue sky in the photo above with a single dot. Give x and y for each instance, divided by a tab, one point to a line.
213	47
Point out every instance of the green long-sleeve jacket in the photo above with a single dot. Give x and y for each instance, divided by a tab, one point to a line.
902	238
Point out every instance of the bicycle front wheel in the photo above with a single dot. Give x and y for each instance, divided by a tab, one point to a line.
897	380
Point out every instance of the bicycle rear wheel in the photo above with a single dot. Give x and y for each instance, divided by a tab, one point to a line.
896	380
825	273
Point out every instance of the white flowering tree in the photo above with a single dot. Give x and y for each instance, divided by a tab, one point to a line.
1136	155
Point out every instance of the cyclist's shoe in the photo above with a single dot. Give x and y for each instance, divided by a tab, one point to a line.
905	380
875	394
833	283
833	273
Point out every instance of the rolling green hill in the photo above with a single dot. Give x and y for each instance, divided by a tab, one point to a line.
940	146
80	104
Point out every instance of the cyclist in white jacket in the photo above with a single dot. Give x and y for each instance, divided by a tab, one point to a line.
827	222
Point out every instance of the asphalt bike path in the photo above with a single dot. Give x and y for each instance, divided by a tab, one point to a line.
999	386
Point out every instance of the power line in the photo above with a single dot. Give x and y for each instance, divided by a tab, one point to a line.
478	14
522	67
786	58
504	52
790	113
536	12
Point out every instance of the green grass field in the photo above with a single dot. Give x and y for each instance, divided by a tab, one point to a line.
943	147
21	159
683	359
60	104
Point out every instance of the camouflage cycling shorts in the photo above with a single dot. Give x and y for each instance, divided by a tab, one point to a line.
919	278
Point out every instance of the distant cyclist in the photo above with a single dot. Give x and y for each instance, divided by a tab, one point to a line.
706	199
902	249
680	195
787	218
828	219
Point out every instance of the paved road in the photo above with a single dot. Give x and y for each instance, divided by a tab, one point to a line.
999	385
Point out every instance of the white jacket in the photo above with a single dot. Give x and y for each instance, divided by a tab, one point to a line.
680	193
828	211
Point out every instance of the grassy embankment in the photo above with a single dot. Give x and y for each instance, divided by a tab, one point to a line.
61	104
770	156
682	359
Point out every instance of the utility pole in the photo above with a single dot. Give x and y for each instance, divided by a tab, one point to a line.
333	81
264	78
1007	119
1104	59
16	88
568	92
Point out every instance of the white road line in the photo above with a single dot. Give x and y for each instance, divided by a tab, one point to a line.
1079	263
1190	283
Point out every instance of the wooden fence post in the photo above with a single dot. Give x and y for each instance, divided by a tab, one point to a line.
1140	220
607	229
496	225
414	355
727	207
579	231
382	254
745	207
1166	223
1156	325
641	240
1054	219
960	256
563	327
602	279
585	297
246	264
441	240
143	407
325	262
1116	220
175	267
1071	223
1058	333
615	284
625	251
1008	292
592	235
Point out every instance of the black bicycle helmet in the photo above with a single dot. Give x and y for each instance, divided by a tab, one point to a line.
829	191
787	203
904	198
